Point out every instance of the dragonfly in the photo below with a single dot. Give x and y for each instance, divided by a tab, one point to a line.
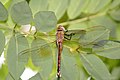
82	38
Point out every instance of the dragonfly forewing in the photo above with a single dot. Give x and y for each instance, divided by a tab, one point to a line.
40	50
94	35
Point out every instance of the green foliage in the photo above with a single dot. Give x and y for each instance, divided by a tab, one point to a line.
110	47
3	72
2	42
16	44
93	24
45	21
95	67
21	9
3	13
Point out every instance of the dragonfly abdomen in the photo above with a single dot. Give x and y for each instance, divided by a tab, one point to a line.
60	47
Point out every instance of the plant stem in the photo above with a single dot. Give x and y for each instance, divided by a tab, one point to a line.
81	20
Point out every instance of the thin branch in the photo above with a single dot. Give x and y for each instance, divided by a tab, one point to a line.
81	20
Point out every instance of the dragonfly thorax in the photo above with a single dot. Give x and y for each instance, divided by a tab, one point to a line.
60	28
60	34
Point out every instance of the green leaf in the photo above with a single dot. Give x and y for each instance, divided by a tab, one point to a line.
93	35
118	32
9	5
115	14
103	20
42	57
36	77
38	5
95	67
45	21
16	44
21	42
115	73
21	13
3	13
110	50
12	60
74	10
2	42
9	77
114	4
78	26
4	1
83	74
3	72
58	6
106	21
95	6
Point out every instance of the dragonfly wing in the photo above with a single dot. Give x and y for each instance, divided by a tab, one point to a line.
43	52
41	55
40	50
86	40
94	35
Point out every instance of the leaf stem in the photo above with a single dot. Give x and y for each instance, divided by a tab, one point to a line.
82	19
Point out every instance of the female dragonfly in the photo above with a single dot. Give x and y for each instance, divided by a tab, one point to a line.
84	38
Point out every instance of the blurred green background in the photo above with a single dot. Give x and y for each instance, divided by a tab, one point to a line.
72	14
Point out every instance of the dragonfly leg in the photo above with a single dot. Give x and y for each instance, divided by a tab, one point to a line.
78	49
69	36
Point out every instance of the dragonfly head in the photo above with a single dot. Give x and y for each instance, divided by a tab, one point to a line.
60	28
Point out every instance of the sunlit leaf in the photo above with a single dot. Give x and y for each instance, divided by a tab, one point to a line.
110	50
2	42
115	14
118	32
115	73
4	1
3	72
58	6
21	13
95	6
38	5
45	21
3	13
95	67
78	26
75	9
114	4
